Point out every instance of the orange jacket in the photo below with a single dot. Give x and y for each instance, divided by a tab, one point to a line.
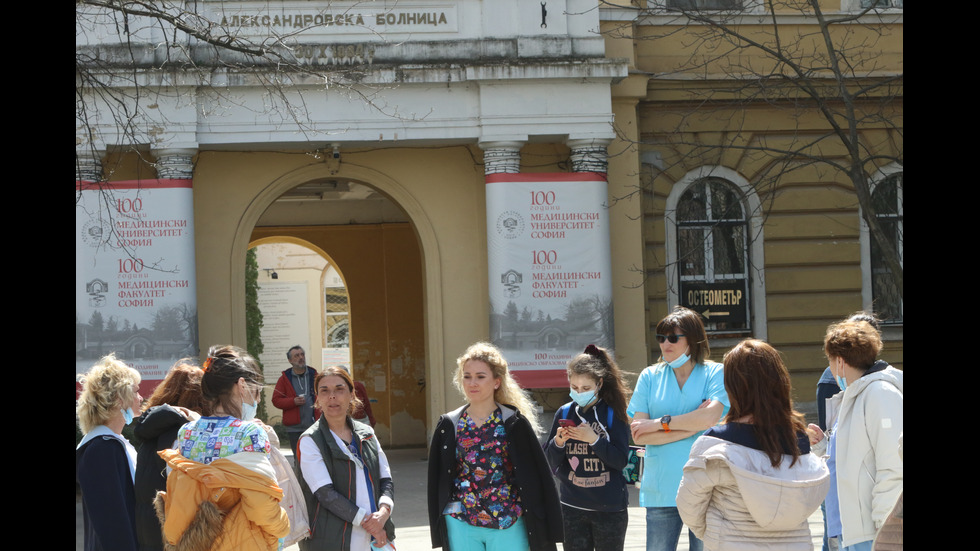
230	504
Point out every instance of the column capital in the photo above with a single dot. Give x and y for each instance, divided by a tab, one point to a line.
501	157
175	163
88	165
589	155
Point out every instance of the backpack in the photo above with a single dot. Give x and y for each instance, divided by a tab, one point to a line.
633	471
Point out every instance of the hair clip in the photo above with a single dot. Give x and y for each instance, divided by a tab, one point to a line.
207	363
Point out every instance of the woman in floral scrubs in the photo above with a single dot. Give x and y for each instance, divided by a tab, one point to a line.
489	485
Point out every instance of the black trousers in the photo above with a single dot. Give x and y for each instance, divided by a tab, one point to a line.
594	530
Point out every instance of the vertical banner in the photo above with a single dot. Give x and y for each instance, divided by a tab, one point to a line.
549	261
135	288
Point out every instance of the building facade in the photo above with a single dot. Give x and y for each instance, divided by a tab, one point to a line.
366	130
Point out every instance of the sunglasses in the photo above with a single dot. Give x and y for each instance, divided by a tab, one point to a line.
672	338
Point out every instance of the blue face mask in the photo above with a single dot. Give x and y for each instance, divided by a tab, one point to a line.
128	415
841	381
681	360
583	399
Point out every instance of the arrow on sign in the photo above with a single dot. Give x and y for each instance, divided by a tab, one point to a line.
708	313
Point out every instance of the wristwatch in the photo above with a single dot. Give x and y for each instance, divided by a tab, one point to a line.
665	423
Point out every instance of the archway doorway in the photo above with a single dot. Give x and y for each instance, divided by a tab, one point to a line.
374	251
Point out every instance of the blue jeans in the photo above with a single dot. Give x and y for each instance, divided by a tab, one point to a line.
860	546
664	526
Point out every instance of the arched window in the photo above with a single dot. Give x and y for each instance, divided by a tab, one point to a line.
880	292
714	251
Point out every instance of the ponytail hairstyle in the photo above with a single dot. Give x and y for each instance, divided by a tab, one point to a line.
597	364
223	367
509	393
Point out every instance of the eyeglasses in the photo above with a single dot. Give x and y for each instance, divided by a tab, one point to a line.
672	338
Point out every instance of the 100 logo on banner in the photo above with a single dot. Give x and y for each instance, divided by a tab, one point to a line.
544	257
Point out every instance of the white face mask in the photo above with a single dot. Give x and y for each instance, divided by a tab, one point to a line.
248	410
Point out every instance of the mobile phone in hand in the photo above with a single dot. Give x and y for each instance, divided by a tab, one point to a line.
566	423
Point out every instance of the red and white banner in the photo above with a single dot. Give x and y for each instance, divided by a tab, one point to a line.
549	262
135	286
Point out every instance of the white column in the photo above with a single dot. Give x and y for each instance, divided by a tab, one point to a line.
88	166
175	164
589	155
501	157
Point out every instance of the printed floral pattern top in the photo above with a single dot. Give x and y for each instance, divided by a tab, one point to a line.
211	438
483	485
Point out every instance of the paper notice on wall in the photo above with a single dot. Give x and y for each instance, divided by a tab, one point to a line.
549	262
135	286
285	323
335	356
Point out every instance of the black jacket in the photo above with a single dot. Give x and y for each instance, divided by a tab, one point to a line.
542	511
157	429
102	472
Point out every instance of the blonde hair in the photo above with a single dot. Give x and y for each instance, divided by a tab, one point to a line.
509	393
106	387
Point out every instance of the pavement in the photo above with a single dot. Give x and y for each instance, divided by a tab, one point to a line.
411	518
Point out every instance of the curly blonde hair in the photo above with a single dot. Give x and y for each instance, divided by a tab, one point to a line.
509	393
106	387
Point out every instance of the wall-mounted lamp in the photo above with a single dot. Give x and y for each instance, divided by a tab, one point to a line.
336	150
271	272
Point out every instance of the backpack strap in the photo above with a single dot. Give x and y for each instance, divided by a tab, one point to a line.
567	407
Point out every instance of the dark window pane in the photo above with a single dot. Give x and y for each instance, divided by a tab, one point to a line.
729	249
690	248
888	202
692	206
725	202
884	199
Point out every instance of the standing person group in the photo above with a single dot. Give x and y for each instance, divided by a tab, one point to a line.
751	482
220	466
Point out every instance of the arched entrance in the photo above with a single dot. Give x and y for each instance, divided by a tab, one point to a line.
374	243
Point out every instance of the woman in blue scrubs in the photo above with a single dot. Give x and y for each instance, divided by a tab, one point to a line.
674	401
